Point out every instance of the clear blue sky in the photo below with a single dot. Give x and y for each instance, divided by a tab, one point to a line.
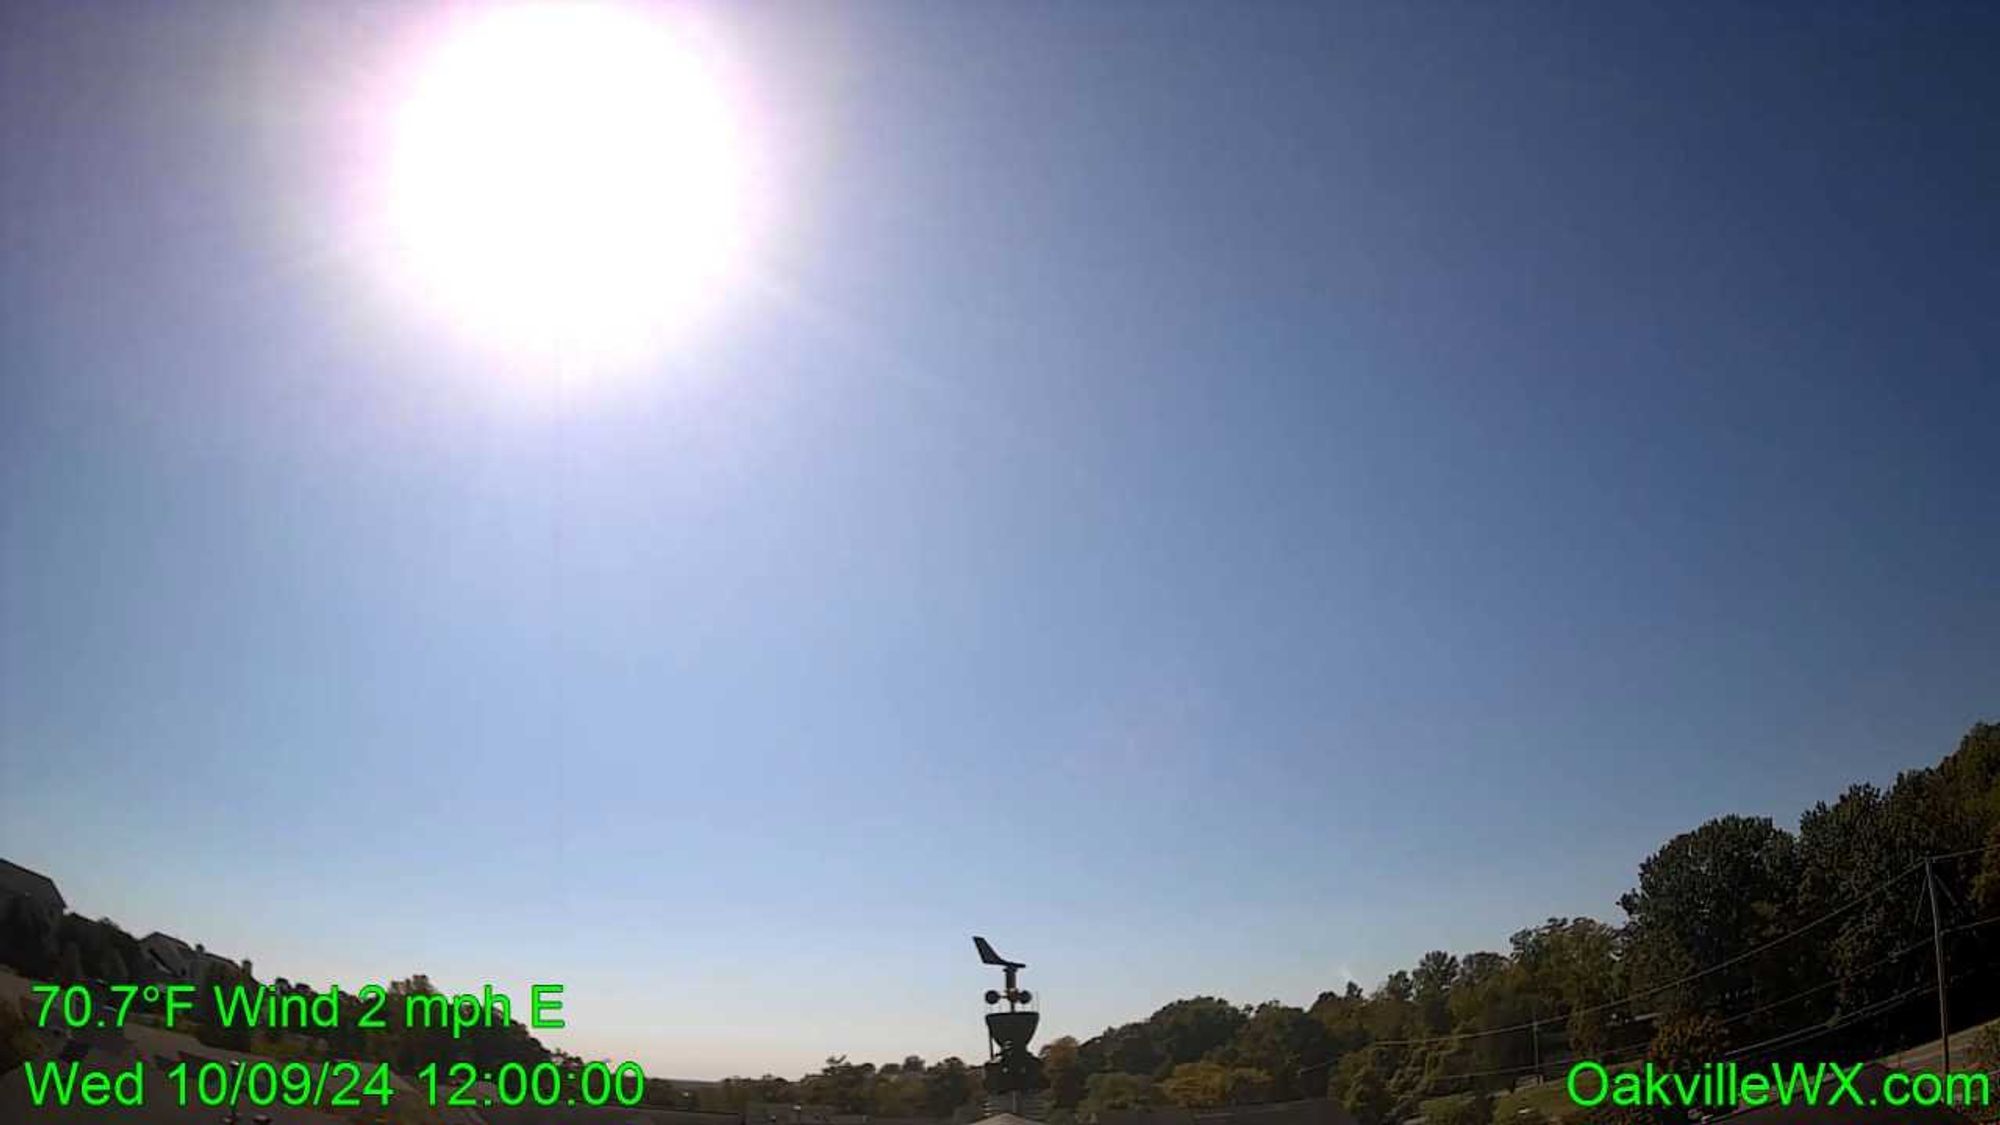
1217	498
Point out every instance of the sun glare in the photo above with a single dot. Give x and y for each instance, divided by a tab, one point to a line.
568	179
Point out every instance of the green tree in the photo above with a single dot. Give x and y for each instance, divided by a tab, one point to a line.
841	1084
1248	1085
1847	849
1708	896
1493	992
1430	987
896	1092
1429	1070
1391	1010
1344	1015
1685	1043
1114	1090
1365	1088
1287	1044
947	1085
1062	1065
1130	1049
1205	1085
1569	967
1187	1030
1197	1085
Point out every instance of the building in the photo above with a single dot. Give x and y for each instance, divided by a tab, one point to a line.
172	959
169	957
18	884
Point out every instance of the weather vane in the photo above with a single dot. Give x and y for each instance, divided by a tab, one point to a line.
1010	1068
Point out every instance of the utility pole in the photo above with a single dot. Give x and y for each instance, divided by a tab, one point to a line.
1937	949
1535	1031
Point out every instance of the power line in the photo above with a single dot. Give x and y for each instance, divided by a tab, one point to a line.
1804	1034
1659	988
1859	1014
1807	1032
1853	974
1794	1036
1950	930
1967	852
1850	975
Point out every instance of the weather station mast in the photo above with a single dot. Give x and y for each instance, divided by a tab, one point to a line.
1013	1073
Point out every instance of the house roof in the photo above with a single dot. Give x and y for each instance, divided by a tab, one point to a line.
18	880
170	942
167	951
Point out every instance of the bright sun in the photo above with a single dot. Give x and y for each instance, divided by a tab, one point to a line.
568	179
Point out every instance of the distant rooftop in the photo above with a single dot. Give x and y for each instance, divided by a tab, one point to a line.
16	880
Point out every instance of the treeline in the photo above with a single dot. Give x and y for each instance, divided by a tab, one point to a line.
910	1088
1741	939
